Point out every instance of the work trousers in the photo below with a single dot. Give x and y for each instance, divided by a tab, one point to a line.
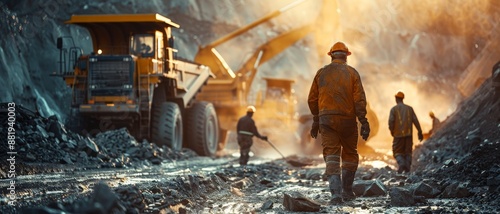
402	148
339	139
245	142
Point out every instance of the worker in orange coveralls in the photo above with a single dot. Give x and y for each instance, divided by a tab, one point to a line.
401	119
336	99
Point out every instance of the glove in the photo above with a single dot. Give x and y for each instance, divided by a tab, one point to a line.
264	138
365	130
420	136
315	129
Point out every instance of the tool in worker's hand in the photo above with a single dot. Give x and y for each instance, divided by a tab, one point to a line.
291	162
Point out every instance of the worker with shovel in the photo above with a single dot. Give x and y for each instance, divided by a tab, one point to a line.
336	99
246	129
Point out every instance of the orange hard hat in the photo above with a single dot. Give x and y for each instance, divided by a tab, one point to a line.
251	109
400	94
339	46
431	114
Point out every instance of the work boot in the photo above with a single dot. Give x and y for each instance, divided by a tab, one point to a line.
401	160
347	180
408	163
244	159
335	185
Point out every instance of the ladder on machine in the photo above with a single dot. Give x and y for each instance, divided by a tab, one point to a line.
145	101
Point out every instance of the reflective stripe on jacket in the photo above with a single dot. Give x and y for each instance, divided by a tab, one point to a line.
337	90
245	133
401	119
246	126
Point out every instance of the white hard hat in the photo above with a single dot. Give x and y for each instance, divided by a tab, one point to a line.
251	109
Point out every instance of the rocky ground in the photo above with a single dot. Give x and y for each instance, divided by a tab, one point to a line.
58	171
454	171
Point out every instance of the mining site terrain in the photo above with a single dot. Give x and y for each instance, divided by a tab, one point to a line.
454	171
51	169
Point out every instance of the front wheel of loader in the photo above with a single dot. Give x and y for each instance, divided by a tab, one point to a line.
166	125
202	123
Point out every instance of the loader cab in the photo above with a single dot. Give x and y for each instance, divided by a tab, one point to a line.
148	45
279	100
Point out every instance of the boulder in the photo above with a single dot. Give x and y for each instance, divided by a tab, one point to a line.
377	188
105	200
89	146
267	205
401	197
456	190
425	190
359	186
296	202
53	126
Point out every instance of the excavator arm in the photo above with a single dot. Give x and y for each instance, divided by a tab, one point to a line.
269	50
208	55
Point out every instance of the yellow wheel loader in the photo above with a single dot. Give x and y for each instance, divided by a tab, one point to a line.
133	79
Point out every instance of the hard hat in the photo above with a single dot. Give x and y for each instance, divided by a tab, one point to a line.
339	46
251	109
431	114
400	94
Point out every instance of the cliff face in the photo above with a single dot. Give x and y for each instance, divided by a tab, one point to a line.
28	52
421	48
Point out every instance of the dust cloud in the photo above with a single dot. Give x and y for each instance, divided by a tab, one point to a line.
421	48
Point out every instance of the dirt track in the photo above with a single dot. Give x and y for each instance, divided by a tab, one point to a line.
455	171
203	185
142	178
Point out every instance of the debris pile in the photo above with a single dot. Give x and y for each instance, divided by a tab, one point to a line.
46	140
464	153
118	147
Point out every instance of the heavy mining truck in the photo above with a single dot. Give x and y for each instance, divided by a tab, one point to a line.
133	79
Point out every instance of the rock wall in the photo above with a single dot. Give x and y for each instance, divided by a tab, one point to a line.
28	52
422	48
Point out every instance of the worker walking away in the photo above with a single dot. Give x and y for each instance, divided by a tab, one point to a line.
336	99
246	129
401	121
435	123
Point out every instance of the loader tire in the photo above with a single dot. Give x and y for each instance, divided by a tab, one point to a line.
202	123
166	125
82	124
76	123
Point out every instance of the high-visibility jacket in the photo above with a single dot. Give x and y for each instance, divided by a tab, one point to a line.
401	119
246	126
337	90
